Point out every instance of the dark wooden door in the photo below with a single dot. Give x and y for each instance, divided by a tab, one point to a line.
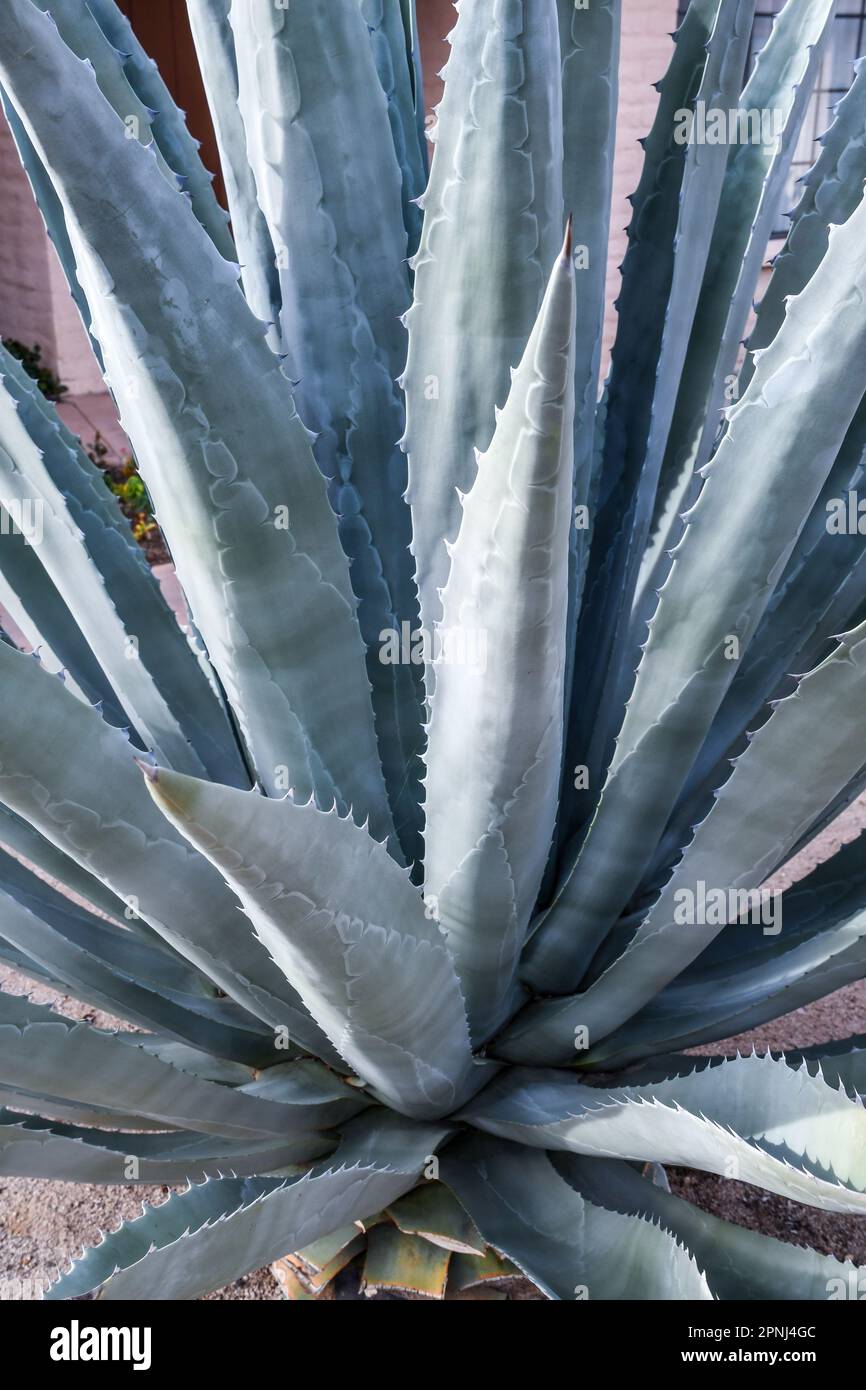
436	18
163	29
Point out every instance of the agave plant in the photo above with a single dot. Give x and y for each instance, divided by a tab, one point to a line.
386	857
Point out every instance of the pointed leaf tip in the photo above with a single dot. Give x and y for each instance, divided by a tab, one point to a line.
150	770
568	244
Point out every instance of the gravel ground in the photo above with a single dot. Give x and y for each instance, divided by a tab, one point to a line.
839	1015
44	1224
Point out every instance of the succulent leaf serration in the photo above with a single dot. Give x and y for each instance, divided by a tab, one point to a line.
487	668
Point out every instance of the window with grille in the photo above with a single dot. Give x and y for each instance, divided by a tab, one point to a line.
846	43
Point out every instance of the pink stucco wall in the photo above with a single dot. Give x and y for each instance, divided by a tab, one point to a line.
26	291
35	305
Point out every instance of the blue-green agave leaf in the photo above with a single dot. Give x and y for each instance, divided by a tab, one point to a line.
66	1112
82	33
77	1062
99	963
168	124
781	441
62	550
409	11
395	51
348	929
493	218
853	788
341	252
211	1234
589	41
779	87
31	1147
818	596
763	979
43	620
161	646
752	1118
740	1265
147	962
25	842
496	712
230	472
669	240
842	1063
570	1248
215	50
794	765
90	803
831	191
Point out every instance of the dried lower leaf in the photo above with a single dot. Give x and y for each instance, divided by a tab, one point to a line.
405	1264
432	1213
